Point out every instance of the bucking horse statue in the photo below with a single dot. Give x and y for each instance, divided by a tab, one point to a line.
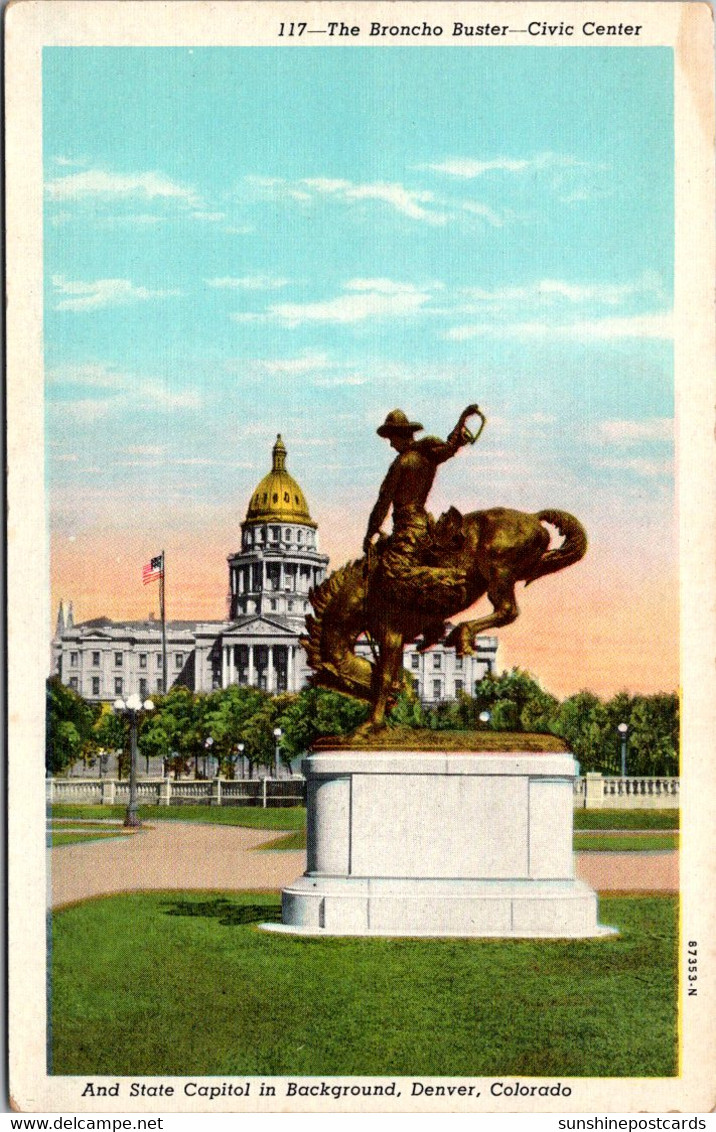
409	583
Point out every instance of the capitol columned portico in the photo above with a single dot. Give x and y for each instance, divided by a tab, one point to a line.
271	666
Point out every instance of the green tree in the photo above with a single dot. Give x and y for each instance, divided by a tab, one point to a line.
69	727
408	710
111	733
226	719
176	725
654	735
257	734
315	712
515	701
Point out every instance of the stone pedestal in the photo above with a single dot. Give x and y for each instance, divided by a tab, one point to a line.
440	844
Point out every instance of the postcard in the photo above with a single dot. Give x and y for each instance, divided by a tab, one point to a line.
361	596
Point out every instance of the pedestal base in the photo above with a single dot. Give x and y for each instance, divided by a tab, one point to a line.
438	844
517	909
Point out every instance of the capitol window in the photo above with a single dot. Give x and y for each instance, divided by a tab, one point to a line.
74	659
415	660
95	660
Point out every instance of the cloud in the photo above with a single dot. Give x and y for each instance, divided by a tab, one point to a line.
364	299
385	286
136	219
420	204
556	290
102	293
307	363
641	466
146	449
120	392
414	203
604	329
99	183
628	432
93	374
608	293
336	382
483	211
469	168
410	202
249	282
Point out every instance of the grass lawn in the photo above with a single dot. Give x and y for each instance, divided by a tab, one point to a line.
295	840
625	843
184	983
252	817
639	842
293	820
58	838
626	819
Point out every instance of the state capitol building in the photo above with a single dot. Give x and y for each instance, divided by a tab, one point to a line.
270	577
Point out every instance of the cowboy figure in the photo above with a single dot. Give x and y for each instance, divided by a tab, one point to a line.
406	488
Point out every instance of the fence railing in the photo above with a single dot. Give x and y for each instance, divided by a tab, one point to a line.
167	792
612	792
591	792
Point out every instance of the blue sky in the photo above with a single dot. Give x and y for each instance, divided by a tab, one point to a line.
245	241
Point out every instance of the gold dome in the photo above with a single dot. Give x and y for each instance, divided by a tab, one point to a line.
278	498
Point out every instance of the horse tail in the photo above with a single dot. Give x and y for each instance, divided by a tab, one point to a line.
572	549
338	618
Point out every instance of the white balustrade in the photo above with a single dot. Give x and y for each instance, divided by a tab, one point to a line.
643	792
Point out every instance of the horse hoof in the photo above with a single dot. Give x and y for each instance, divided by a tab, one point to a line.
462	640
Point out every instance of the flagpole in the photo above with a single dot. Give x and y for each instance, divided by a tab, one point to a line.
164	625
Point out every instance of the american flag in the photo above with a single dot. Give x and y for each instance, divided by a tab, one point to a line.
153	570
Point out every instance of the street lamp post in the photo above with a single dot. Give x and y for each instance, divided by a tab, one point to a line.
623	731
240	750
208	744
277	733
134	708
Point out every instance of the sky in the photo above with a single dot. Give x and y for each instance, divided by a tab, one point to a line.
246	241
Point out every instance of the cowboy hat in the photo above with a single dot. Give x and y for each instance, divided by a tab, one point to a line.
396	423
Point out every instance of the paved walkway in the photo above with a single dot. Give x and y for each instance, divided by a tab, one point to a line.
172	855
178	855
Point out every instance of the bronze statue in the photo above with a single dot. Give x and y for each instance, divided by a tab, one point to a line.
410	582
